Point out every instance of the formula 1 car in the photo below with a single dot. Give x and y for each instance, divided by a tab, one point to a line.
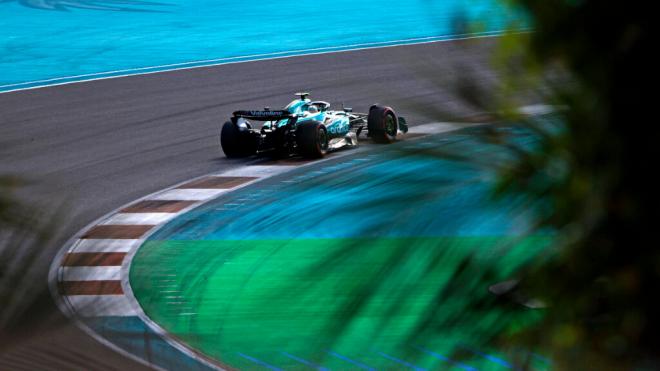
308	128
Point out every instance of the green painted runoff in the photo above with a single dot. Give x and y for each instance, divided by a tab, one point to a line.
280	302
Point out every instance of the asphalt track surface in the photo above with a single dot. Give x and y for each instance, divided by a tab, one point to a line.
91	147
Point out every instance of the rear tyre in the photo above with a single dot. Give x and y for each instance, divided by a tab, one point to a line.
312	138
383	124
235	142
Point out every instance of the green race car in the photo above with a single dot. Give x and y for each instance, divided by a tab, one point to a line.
308	128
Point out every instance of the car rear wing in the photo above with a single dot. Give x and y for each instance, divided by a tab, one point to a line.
263	115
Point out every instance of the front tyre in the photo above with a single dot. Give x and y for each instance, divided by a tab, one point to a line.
236	143
312	139
383	124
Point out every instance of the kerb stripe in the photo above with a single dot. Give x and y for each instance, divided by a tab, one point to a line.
91	288
117	231
90	259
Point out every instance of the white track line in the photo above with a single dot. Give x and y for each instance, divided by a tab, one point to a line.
188	194
112	273
104	245
250	58
139	218
258	170
101	305
435	128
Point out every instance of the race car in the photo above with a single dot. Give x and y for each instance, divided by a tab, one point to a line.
308	128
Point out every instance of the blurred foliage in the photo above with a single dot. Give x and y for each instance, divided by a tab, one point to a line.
597	179
25	233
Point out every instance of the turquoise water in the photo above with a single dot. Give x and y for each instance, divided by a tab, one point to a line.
41	45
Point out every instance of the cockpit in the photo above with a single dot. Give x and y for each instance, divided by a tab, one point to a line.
310	111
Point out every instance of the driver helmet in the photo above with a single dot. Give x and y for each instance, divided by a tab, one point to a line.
312	109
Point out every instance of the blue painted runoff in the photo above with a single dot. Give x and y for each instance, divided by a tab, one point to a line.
59	41
394	193
133	336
